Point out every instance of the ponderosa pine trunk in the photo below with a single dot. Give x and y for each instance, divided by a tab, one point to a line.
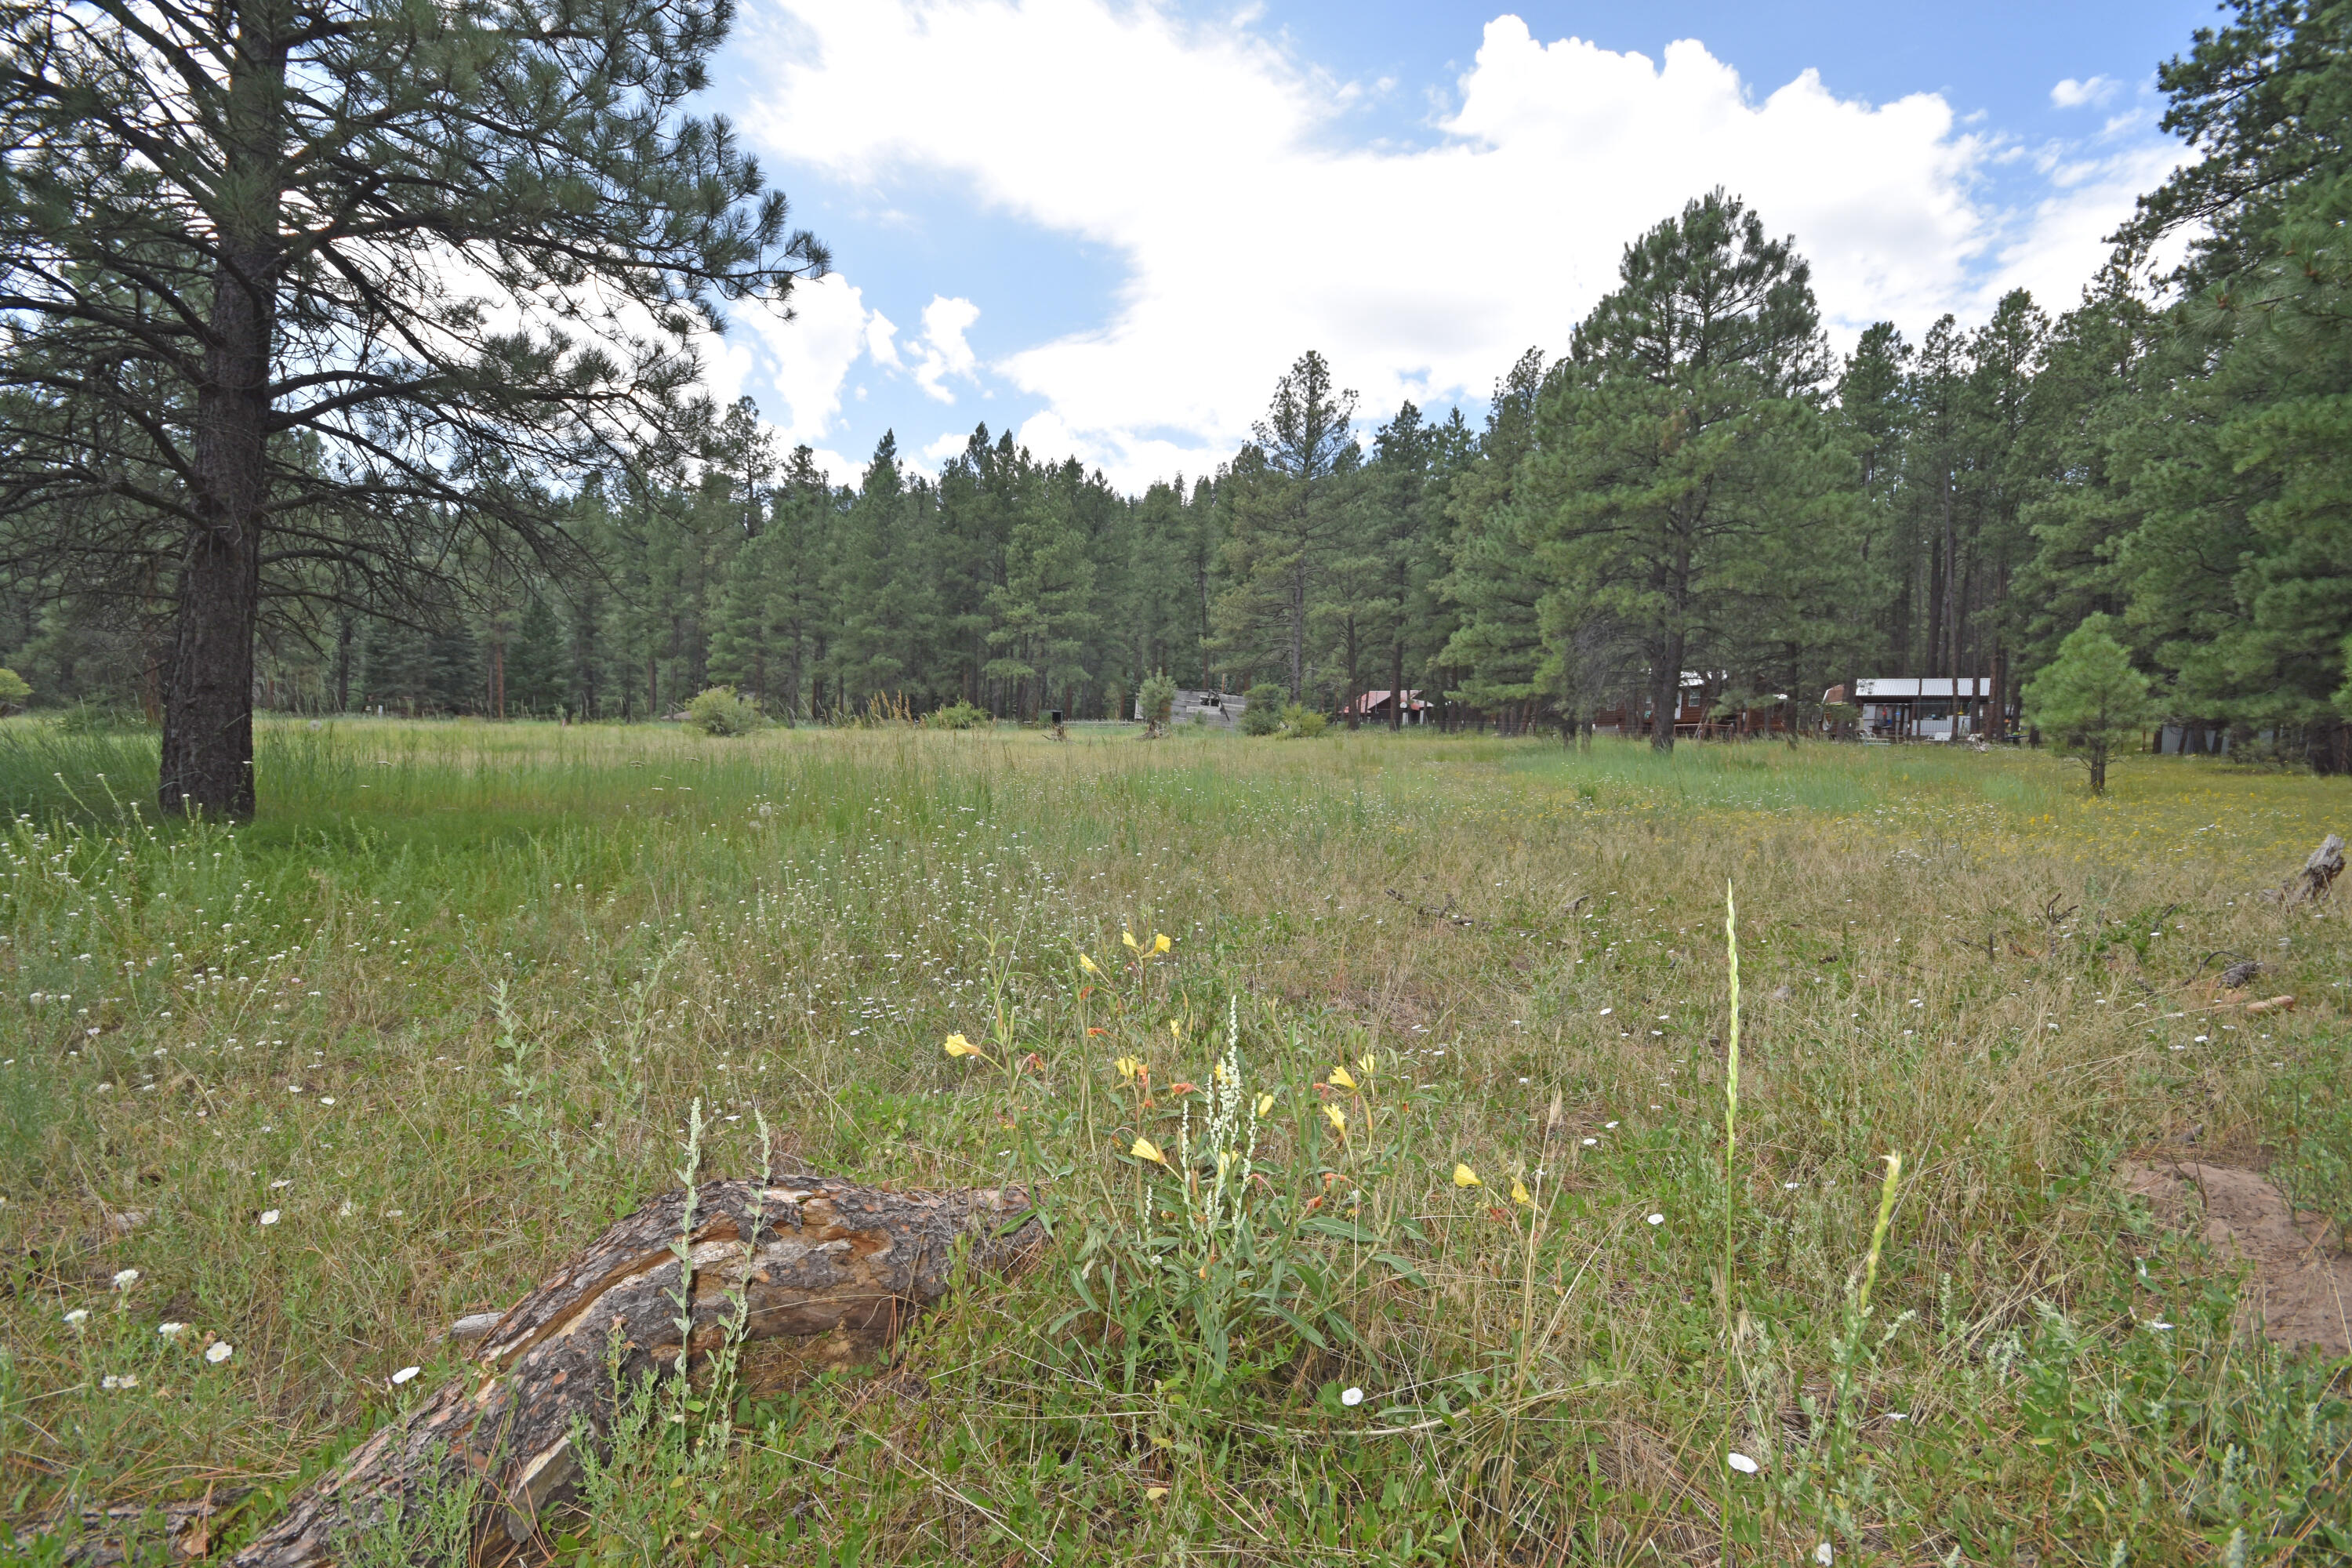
207	755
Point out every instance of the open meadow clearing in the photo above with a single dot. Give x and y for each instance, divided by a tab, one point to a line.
1473	1282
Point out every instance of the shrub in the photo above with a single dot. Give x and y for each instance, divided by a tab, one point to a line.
1263	716
101	719
1300	722
958	715
1155	699
14	690
2090	701
721	711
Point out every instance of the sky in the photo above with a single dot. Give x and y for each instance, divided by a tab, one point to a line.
1112	224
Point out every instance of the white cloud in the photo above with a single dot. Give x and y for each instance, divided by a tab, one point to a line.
945	353
881	340
2072	94
1217	167
951	446
805	360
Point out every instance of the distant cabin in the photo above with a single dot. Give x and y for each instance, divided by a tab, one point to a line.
1376	706
1222	709
1697	697
1922	708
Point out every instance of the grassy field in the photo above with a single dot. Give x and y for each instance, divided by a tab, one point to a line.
386	1055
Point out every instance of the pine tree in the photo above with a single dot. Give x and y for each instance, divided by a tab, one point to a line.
2089	701
1283	497
1685	485
264	302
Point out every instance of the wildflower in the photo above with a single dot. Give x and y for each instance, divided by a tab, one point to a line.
1175	1029
1127	1068
1339	1118
1351	1397
270	1217
1365	1063
1153	1494
1824	1555
1339	1078
126	1380
405	1374
1225	1158
1265	1104
1657	1219
78	1317
171	1330
1741	1462
1088	964
1132	945
125	1278
219	1351
958	1046
1464	1177
1159	941
1145	1149
1519	1192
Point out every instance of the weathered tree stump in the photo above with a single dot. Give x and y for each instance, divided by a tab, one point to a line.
832	1271
2318	874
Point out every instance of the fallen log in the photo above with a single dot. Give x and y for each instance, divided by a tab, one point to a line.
829	1271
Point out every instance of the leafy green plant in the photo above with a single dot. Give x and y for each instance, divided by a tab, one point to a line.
721	713
1155	699
1300	722
1263	716
14	690
434	1529
1220	1273
958	715
660	1472
101	719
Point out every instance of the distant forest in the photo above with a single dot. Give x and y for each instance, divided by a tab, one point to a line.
1693	481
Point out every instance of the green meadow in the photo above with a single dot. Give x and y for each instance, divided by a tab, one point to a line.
1482	1276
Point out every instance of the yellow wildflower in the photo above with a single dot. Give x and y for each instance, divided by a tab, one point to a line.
1127	1068
1366	1063
1088	964
1160	943
1175	1030
1132	945
1338	1117
1339	1078
1464	1177
1145	1149
1519	1192
958	1046
1265	1104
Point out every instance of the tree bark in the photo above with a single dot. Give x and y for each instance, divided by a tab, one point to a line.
207	755
831	1271
1666	692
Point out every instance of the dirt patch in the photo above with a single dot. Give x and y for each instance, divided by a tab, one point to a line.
2301	1292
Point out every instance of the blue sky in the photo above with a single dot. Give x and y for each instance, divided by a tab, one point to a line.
1109	226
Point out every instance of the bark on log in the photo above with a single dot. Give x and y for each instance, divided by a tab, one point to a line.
833	1270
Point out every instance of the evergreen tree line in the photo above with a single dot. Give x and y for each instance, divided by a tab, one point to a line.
1695	483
